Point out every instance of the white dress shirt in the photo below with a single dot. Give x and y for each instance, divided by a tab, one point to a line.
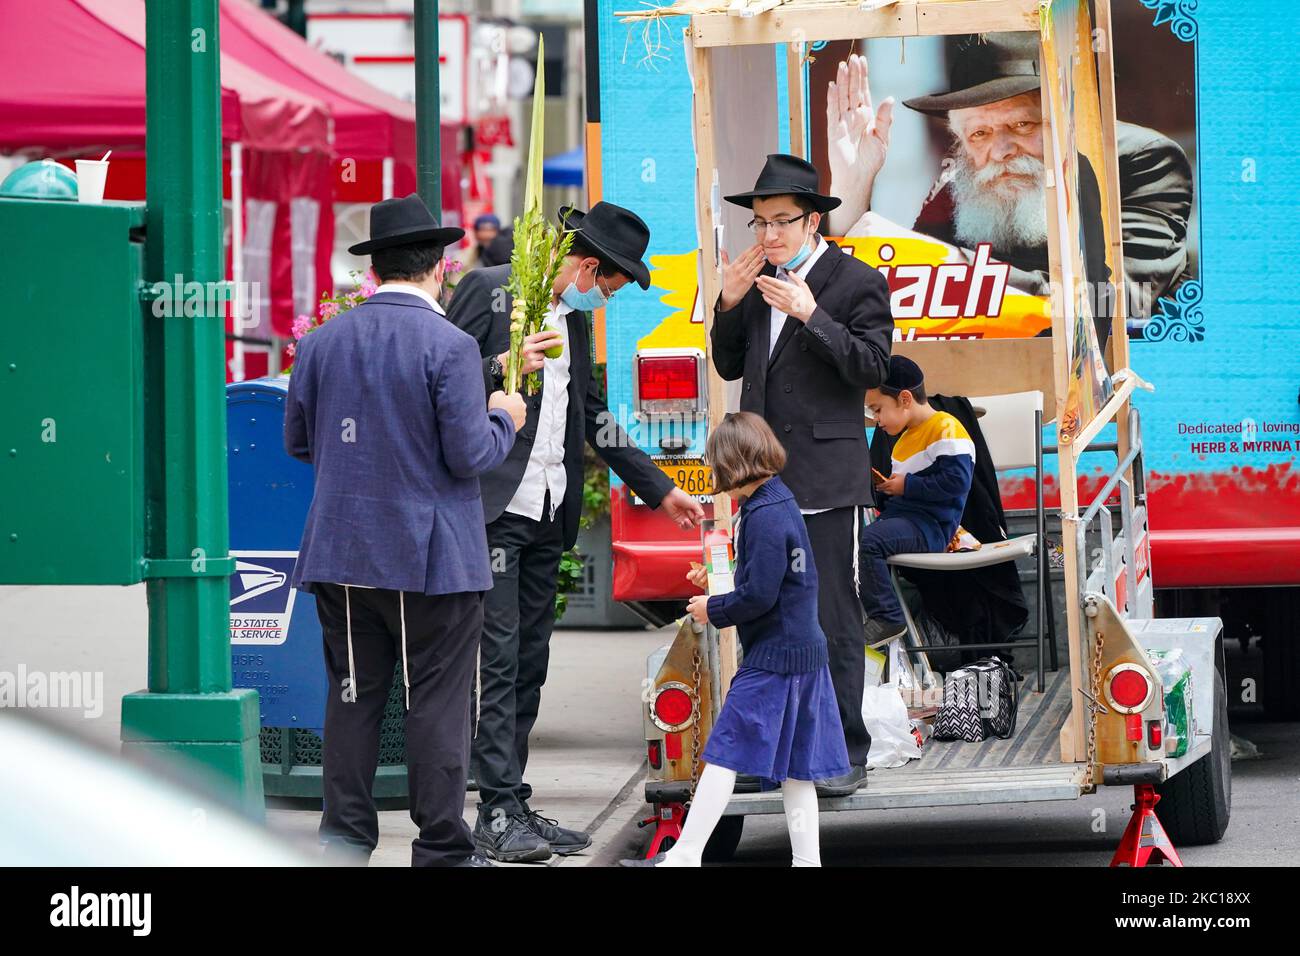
779	317
545	469
414	290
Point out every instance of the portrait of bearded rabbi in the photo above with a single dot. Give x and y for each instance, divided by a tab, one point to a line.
992	185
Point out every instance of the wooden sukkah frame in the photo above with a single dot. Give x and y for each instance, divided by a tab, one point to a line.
961	367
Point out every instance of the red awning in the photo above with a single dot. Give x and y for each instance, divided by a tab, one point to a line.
72	76
68	81
369	124
271	116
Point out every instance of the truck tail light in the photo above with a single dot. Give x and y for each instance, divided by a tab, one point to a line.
654	754
673	707
669	381
1155	735
1129	688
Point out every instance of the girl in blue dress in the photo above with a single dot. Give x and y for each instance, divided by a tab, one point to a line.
779	721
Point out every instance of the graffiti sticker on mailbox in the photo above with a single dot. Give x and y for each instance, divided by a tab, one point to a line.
261	600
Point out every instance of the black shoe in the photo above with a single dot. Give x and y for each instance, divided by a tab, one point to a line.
509	839
640	861
844	784
475	859
562	840
880	633
748	783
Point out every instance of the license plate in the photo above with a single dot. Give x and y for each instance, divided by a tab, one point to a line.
689	474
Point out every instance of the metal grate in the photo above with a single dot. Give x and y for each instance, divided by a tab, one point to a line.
307	744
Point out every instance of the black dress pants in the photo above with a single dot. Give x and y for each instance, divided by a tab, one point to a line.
518	616
834	536
441	642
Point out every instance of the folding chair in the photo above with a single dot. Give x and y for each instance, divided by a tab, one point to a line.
1013	430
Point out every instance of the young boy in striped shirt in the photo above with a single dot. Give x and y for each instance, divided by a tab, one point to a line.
923	498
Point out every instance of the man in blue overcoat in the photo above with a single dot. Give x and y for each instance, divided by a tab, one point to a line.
386	401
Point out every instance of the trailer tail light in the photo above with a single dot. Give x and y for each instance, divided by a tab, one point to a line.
654	754
673	746
673	707
1155	735
1129	688
1133	727
669	381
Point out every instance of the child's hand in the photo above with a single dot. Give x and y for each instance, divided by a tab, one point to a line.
698	575
698	608
893	485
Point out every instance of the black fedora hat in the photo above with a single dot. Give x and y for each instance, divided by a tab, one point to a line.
984	68
785	175
404	222
618	234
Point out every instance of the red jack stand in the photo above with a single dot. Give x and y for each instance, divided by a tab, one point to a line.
668	824
1145	840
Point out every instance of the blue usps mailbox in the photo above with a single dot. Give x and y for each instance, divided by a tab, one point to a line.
275	636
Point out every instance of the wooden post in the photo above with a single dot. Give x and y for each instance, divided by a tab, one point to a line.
1072	732
796	93
710	289
1119	321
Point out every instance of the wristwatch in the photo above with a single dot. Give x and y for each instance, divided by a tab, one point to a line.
498	373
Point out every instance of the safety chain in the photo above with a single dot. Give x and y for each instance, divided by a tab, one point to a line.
695	721
1094	708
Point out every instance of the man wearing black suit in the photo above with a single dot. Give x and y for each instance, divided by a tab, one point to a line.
533	502
809	330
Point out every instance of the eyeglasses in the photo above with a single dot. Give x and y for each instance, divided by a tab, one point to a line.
609	294
759	227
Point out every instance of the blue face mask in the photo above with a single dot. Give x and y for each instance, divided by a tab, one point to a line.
801	256
594	298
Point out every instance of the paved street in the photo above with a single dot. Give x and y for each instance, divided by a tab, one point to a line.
588	758
587	748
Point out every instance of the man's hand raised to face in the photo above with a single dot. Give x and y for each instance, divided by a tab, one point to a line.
738	276
790	295
857	139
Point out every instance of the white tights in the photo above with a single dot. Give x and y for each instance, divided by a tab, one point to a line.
711	797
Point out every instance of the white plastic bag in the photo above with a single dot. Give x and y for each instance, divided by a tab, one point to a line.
885	714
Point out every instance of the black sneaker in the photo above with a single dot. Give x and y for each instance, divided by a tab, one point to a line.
474	859
880	633
562	840
844	784
509	839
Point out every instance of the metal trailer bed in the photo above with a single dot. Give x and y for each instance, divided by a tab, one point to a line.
1025	767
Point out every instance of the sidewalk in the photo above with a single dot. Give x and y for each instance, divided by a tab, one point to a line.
587	750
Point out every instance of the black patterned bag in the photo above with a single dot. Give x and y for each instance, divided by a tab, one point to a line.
979	701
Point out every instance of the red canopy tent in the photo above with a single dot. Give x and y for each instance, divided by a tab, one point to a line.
72	82
374	133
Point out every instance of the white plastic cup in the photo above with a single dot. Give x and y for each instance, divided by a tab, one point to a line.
92	174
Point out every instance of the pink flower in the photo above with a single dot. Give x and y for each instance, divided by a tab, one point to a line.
453	266
368	285
302	325
291	348
328	309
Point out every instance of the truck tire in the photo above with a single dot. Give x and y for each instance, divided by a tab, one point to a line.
1195	805
726	837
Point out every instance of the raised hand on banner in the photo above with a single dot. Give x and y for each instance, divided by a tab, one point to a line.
857	139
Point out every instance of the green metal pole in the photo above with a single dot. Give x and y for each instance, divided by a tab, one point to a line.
428	117
189	707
